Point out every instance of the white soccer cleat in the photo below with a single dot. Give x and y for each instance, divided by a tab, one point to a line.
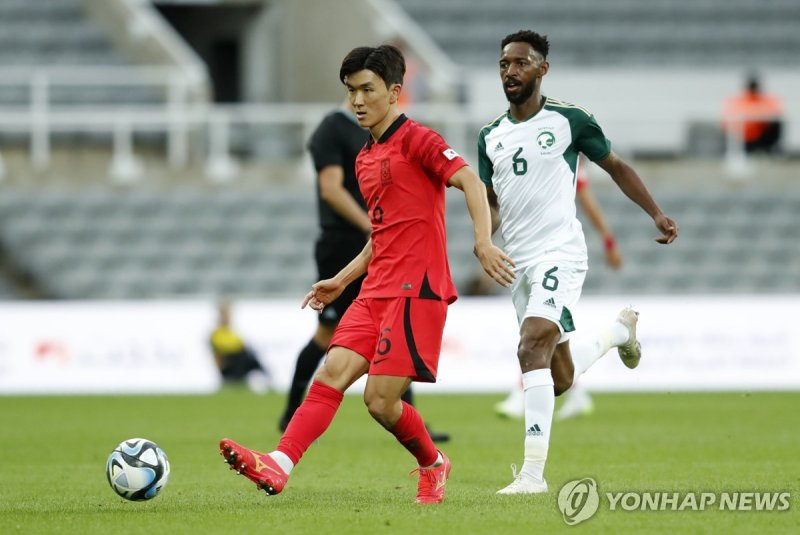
513	407
524	484
631	351
577	402
509	410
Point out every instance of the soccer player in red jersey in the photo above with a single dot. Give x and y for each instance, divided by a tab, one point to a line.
393	330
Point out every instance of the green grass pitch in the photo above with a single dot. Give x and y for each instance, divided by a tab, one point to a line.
354	479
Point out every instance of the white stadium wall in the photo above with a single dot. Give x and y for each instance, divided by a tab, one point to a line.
697	343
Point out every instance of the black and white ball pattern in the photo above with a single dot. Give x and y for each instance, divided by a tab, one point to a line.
137	469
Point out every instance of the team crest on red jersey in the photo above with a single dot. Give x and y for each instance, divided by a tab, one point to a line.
386	172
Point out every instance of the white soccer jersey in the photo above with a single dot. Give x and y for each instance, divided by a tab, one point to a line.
531	166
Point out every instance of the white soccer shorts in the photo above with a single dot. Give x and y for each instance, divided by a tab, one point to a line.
549	289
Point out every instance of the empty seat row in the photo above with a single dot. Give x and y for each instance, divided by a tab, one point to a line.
103	243
628	32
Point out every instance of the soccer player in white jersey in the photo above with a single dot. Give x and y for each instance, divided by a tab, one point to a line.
527	158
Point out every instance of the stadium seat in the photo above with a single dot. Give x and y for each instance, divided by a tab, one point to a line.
587	32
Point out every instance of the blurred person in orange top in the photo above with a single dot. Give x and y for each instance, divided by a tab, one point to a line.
415	83
755	117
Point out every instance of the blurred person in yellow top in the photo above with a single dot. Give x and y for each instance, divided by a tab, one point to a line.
754	117
235	360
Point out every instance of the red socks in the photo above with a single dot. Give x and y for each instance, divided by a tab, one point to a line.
320	406
410	432
311	420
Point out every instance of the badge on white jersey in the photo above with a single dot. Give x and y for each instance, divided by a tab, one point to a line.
450	154
546	140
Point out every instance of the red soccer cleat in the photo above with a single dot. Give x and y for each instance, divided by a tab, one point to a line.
432	482
258	467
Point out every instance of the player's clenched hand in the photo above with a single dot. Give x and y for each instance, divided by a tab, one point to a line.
323	293
614	257
668	228
496	263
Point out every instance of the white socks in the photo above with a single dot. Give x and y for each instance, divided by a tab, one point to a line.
539	404
586	350
283	461
439	461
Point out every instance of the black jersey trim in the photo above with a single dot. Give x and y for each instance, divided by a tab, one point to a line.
389	131
426	292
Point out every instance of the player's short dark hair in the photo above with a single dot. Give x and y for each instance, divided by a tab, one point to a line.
537	41
386	61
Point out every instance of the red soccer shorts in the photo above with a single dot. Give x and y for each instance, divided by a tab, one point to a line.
399	336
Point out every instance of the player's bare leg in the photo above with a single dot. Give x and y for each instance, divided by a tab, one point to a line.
562	368
382	397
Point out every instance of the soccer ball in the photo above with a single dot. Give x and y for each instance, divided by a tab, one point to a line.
137	469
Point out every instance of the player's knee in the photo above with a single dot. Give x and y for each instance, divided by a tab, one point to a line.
332	375
323	374
535	351
379	408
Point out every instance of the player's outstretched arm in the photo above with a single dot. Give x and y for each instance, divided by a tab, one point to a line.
595	214
629	182
327	291
493	260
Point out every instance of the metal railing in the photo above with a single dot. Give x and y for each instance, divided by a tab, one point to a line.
178	115
41	117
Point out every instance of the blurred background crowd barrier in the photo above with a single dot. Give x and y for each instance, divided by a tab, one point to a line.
133	347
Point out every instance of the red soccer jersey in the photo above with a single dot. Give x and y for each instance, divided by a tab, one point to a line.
403	178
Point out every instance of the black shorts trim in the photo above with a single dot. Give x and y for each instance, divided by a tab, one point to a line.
422	371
